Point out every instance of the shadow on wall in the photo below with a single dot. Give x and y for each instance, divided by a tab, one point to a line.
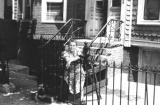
37	1
8	39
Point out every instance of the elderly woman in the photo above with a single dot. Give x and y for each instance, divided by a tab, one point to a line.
74	74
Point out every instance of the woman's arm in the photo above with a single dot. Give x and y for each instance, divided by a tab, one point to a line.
69	59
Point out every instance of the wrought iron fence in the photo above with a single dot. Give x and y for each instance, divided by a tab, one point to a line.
104	84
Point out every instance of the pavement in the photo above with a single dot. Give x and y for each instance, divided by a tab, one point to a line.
24	84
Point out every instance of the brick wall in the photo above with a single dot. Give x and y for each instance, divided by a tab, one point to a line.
75	9
42	28
130	55
116	55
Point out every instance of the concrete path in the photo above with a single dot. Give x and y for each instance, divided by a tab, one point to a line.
109	99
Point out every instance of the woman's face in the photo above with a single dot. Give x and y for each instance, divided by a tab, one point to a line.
72	46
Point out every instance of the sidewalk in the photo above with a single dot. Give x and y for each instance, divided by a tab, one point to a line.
24	85
109	99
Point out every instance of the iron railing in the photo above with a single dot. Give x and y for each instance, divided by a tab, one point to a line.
51	62
69	29
51	50
116	85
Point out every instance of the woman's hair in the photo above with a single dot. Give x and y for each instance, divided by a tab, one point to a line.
72	41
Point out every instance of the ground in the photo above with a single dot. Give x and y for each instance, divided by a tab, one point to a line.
25	84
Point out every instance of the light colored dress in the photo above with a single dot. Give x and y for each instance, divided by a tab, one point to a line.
74	74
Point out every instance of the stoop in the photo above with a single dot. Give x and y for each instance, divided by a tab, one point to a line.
19	68
114	53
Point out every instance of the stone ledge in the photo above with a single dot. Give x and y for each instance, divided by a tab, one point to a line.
19	68
7	88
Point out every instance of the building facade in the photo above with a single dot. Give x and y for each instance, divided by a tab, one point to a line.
50	14
143	22
141	34
140	30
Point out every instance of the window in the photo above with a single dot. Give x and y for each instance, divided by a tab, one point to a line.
116	3
22	9
99	6
54	11
148	12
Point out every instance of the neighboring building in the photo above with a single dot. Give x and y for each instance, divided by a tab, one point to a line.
141	33
50	14
142	29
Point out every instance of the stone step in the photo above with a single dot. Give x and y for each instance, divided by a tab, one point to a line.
112	53
19	68
80	42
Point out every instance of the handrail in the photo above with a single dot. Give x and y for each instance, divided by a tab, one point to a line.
93	59
72	34
69	30
76	30
107	23
70	20
57	32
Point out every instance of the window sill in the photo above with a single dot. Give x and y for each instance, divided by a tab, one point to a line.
53	21
148	22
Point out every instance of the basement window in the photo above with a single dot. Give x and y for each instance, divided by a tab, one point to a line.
54	11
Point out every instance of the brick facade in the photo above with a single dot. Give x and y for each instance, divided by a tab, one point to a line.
75	9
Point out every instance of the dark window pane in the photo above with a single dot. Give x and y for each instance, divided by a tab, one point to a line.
151	10
116	3
54	11
99	6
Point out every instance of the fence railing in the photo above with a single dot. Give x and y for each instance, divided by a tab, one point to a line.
124	85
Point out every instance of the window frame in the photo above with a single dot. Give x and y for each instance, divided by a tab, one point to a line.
44	11
140	15
112	7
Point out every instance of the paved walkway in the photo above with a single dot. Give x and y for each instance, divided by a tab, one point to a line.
109	99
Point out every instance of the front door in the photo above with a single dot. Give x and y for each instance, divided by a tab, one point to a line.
114	9
95	16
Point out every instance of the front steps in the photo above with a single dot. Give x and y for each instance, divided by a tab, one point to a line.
113	53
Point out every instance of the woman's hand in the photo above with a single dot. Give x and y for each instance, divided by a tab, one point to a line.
69	61
68	64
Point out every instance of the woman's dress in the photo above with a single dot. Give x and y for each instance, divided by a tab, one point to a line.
74	74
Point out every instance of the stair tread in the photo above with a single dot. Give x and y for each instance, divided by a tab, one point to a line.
19	68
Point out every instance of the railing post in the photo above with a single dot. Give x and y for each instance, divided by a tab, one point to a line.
113	82
154	87
121	68
106	82
137	69
146	87
42	77
129	70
